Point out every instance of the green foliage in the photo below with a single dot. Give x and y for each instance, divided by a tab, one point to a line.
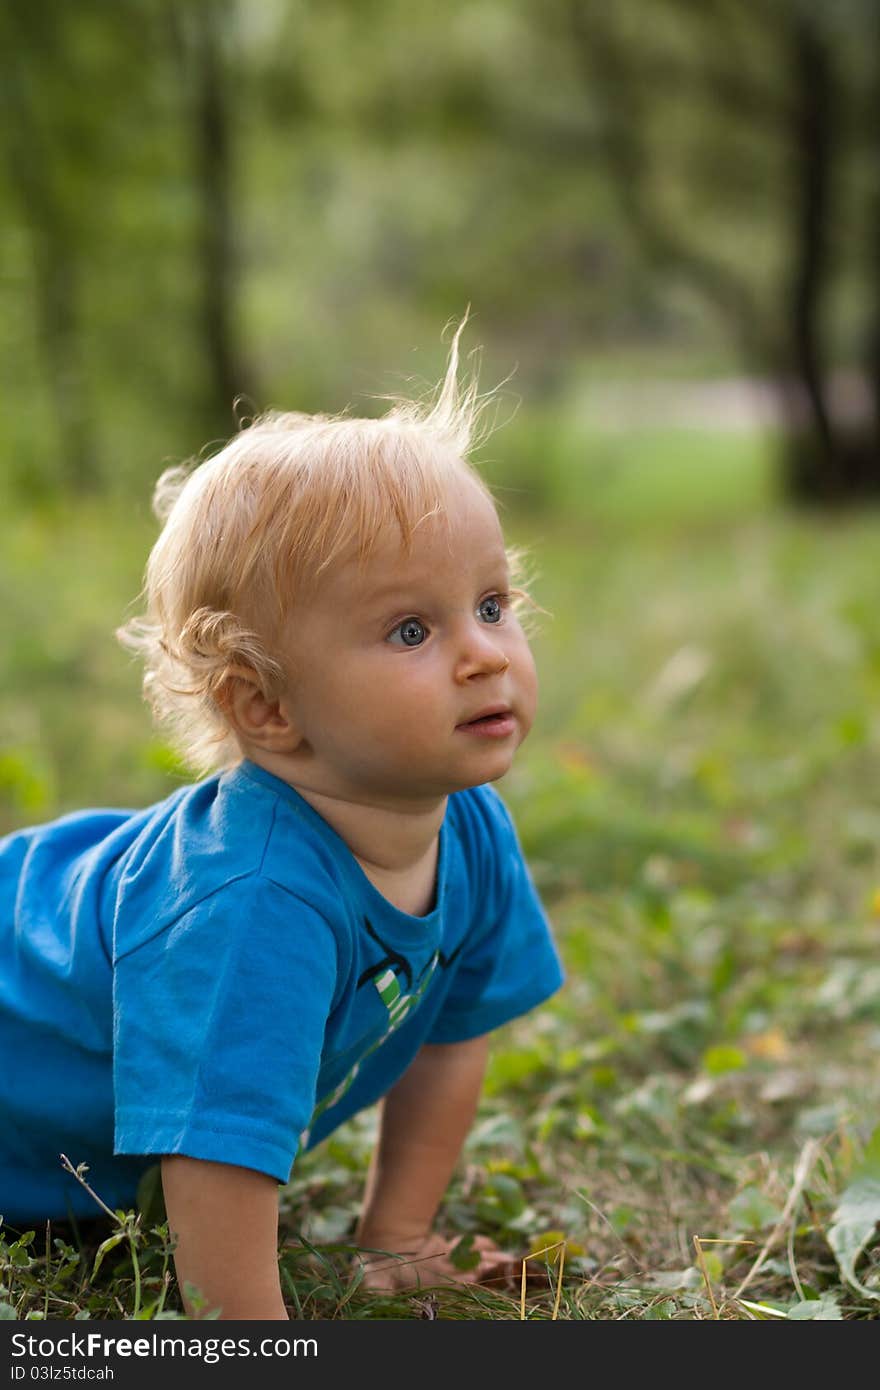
856	1217
124	1274
752	1210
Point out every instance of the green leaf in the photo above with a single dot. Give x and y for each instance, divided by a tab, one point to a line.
816	1309
621	1218
763	1310
750	1210
721	1059
7	1313
104	1249
150	1198
18	1254
855	1217
463	1255
501	1199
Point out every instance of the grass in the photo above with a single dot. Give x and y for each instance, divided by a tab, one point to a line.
693	1115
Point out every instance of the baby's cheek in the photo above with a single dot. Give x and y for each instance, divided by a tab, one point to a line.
527	681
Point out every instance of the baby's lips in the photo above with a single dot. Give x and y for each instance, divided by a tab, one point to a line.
487	712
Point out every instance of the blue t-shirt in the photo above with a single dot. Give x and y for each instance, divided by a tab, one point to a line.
216	976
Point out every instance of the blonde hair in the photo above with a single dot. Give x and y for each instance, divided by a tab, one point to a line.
249	530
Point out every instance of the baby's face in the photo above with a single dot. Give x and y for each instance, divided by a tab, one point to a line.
393	664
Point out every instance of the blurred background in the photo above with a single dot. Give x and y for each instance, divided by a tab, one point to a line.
288	200
665	218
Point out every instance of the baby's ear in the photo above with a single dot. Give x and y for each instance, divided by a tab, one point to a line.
257	717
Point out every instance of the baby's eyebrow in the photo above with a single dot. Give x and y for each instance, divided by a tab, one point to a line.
380	601
381	593
412	589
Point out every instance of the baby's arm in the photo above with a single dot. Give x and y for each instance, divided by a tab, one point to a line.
225	1219
425	1119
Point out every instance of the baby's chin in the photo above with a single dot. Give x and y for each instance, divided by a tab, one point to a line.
493	770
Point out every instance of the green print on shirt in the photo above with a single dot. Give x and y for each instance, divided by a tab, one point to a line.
399	1006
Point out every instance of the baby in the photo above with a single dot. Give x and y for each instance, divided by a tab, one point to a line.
339	912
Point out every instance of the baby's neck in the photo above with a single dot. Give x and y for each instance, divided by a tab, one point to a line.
398	851
388	839
393	843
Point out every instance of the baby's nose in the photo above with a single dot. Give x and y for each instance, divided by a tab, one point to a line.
483	656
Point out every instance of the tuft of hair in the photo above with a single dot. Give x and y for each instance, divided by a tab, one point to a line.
249	531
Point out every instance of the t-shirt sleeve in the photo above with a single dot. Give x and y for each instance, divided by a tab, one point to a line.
508	961
219	1023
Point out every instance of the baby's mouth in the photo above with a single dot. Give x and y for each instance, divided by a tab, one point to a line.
499	722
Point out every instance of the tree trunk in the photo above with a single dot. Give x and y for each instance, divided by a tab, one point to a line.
811	462
834	460
872	346
211	116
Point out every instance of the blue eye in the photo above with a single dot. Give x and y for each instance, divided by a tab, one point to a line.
412	633
491	610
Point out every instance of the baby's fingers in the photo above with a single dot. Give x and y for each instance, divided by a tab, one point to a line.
407	1270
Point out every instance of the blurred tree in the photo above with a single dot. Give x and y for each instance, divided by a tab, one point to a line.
204	39
438	159
118	159
755	106
42	147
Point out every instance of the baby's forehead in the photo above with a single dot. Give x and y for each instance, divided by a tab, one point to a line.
441	550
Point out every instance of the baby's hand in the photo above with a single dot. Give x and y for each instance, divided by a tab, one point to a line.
429	1262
